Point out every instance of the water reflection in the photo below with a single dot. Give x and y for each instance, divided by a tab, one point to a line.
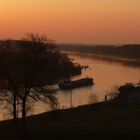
106	72
79	96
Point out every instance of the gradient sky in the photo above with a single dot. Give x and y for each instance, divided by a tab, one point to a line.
72	21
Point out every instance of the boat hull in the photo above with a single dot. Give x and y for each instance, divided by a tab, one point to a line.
75	84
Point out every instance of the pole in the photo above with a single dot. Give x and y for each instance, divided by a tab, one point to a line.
71	99
105	98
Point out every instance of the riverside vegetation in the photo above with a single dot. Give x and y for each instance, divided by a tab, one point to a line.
25	67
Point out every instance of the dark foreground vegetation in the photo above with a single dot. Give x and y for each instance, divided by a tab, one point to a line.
99	121
128	51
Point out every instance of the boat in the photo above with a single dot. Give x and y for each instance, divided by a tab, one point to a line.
67	85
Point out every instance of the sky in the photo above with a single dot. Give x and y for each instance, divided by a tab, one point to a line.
72	21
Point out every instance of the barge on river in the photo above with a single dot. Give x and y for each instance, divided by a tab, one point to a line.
67	85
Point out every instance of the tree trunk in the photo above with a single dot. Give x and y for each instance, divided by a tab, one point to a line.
24	114
15	112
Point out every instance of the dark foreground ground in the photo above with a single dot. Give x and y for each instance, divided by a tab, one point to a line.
99	121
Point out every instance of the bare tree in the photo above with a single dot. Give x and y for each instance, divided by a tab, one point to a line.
10	80
24	73
18	74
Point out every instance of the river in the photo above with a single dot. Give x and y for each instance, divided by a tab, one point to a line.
107	73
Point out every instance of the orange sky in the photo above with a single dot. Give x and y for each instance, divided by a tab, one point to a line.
79	21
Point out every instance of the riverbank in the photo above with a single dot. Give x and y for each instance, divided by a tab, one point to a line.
128	51
101	120
125	61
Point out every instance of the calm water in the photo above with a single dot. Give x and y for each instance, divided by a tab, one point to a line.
107	73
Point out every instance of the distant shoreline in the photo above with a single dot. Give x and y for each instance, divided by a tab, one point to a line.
101	55
131	62
125	51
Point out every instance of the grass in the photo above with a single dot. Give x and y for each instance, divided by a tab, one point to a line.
102	120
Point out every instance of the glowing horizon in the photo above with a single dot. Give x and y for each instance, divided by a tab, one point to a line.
75	21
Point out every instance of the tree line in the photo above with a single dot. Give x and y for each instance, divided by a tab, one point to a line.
128	50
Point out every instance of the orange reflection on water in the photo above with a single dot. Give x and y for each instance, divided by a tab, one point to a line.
106	73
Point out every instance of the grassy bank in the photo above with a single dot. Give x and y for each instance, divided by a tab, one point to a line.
102	120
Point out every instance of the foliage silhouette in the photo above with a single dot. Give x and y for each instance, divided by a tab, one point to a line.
28	65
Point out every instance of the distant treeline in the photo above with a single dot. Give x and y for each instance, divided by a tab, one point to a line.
129	51
19	45
15	43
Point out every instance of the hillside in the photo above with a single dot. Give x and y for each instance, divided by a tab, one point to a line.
102	120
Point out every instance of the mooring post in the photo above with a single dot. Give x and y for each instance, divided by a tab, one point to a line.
71	99
105	98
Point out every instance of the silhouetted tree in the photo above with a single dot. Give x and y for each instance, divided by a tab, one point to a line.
10	79
25	72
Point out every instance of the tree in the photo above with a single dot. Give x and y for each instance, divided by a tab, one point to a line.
10	80
25	72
